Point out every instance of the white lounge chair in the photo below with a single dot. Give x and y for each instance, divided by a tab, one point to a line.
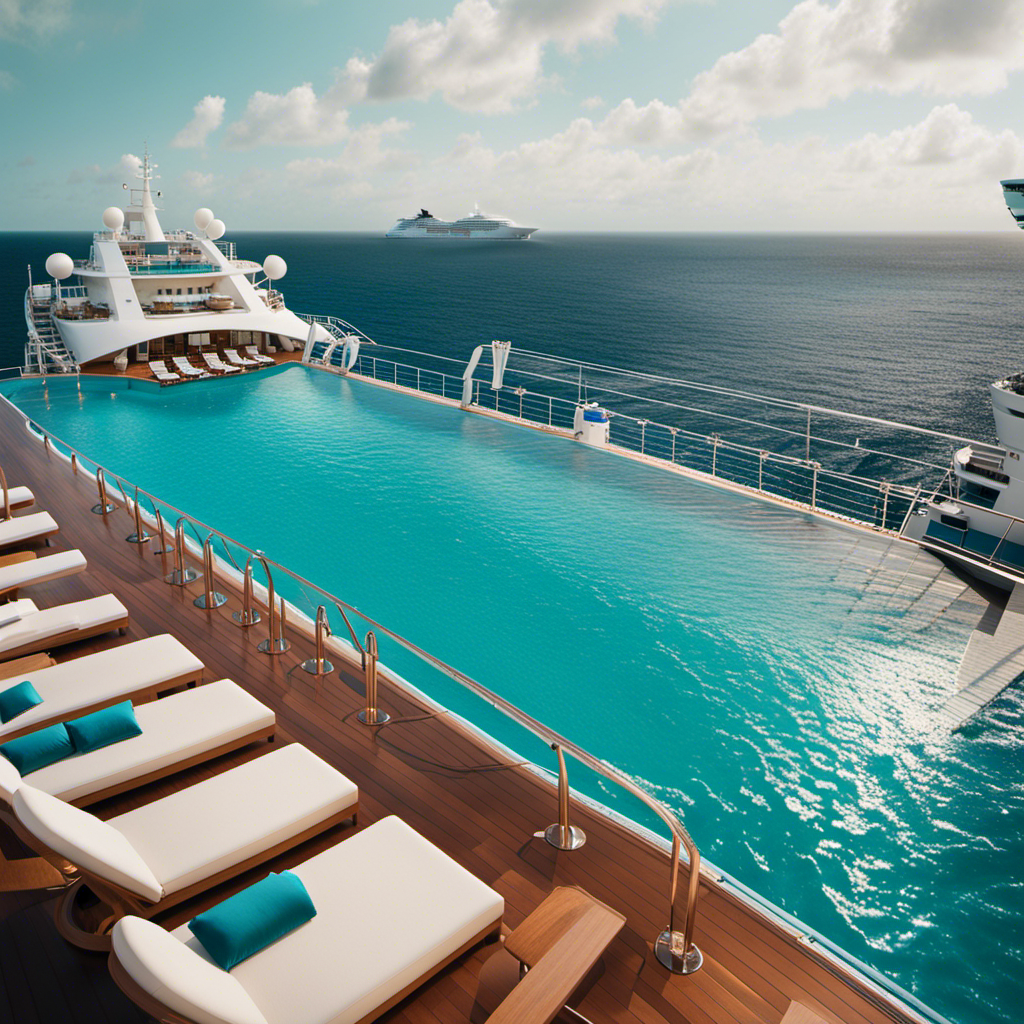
23	529
177	731
137	671
254	353
149	859
186	368
18	574
236	360
391	911
215	363
25	628
159	370
18	498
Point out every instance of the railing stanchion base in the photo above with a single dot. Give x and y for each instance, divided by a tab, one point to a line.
373	716
181	578
247	617
102	510
315	668
668	948
218	600
553	836
278	645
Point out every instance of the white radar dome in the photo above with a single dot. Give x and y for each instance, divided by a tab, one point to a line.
60	265
215	229
113	218
202	217
275	268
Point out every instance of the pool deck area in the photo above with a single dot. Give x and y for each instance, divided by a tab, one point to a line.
467	796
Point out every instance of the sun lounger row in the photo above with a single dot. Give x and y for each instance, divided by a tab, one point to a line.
25	529
214	364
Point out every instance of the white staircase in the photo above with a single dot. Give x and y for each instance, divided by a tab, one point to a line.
45	351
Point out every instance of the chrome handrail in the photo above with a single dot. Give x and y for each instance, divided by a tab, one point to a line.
248	614
562	835
273	644
674	949
209	598
371	714
161	531
319	665
181	575
104	506
140	536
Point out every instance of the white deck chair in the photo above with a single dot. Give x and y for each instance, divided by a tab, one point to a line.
185	367
39	570
137	671
162	853
177	731
215	363
24	628
236	360
346	962
254	353
159	370
19	498
23	529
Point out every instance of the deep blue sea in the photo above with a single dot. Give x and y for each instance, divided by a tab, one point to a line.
797	739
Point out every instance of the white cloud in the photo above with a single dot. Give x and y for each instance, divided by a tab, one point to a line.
298	117
486	57
7	80
21	18
592	103
824	52
364	153
207	115
124	171
197	181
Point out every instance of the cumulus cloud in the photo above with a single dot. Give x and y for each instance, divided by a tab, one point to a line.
298	117
197	181
365	152
486	57
124	170
22	18
824	52
207	115
7	80
592	103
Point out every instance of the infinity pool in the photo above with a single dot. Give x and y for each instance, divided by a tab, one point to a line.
746	662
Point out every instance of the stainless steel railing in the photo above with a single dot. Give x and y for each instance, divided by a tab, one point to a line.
674	949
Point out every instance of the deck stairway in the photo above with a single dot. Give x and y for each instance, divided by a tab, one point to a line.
46	351
993	660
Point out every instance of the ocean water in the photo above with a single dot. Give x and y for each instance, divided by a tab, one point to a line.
715	647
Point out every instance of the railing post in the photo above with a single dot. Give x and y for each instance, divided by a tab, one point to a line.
418	388
814	484
248	614
371	714
182	574
273	644
320	666
74	463
643	433
210	598
46	443
760	469
104	506
140	536
551	403
675	950
520	391
673	431
714	453
807	444
884	486
161	532
562	835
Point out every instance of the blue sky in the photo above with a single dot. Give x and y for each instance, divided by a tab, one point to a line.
696	115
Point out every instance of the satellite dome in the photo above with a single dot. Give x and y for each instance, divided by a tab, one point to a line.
202	217
60	265
215	229
275	268
113	218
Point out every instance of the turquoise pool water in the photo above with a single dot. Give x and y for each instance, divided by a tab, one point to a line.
737	657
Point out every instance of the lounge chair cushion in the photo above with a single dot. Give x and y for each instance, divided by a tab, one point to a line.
384	882
17	496
36	624
175	728
179	978
38	749
243	924
106	676
103	727
236	815
41	570
18	699
22	528
86	841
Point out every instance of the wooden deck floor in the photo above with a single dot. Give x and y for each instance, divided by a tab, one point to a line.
443	781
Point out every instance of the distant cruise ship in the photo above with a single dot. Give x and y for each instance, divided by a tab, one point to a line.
476	225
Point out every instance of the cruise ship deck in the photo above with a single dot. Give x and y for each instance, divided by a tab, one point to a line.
465	796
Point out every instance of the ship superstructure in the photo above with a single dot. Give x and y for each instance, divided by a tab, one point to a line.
474	225
143	291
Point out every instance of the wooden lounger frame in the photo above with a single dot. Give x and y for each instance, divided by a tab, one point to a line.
140	696
70	636
151	1005
121	903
